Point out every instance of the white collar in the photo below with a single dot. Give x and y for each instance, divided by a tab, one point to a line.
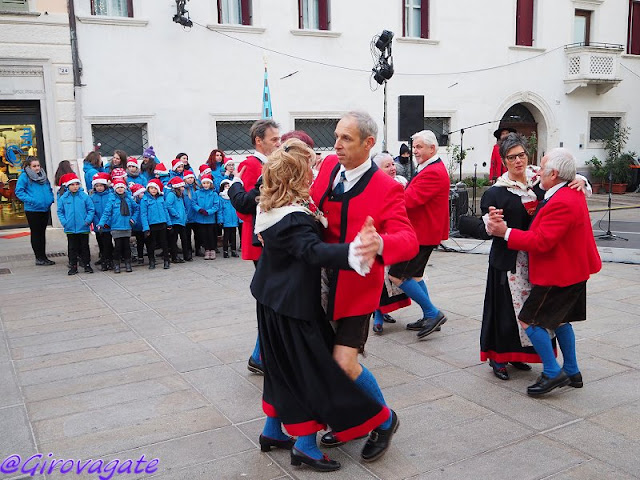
261	156
355	173
549	193
424	165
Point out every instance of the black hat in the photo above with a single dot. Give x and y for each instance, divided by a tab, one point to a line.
404	148
500	129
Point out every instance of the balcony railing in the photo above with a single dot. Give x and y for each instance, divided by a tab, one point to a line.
594	64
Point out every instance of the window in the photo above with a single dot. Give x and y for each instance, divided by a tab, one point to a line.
130	137
233	136
321	130
234	12
112	8
582	27
440	126
633	42
601	128
14	6
415	18
313	14
524	23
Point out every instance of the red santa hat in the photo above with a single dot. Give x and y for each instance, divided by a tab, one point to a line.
132	162
206	178
69	178
161	169
119	182
204	169
118	173
188	174
176	182
100	178
154	182
137	190
175	163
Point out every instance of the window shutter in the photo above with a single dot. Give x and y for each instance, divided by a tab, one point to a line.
404	20
323	14
524	23
130	8
424	19
633	46
300	16
246	12
220	11
14	5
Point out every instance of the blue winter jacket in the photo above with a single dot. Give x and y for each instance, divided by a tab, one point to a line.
89	172
208	200
218	175
227	214
153	210
75	211
114	218
139	179
173	173
164	179
191	214
176	208
100	201
36	197
137	226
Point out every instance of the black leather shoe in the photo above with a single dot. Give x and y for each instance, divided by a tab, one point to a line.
127	267
72	270
267	443
500	372
88	269
167	265
575	381
377	328
325	464
49	262
255	367
379	440
525	367
388	318
40	262
104	267
545	384
417	325
329	440
152	264
178	260
116	267
431	325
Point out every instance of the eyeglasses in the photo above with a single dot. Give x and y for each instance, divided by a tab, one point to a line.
512	158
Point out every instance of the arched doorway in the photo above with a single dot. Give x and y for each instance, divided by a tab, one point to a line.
520	117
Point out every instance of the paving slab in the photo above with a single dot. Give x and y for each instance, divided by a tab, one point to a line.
183	353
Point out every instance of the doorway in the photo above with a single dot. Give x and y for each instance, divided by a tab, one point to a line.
20	138
521	118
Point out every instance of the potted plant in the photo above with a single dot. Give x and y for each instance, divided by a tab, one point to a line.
617	162
598	173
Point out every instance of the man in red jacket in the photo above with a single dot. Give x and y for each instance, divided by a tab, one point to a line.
427	201
562	256
349	188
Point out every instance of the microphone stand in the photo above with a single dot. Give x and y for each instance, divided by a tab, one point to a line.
462	140
608	235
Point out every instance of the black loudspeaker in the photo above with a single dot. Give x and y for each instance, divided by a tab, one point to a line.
410	115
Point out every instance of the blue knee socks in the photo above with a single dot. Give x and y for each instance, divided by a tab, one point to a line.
542	343
367	382
256	352
567	341
307	445
378	319
273	429
419	294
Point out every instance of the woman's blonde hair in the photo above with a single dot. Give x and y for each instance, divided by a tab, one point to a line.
287	176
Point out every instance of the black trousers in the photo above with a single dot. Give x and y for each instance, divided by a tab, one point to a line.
208	235
139	243
195	228
122	250
78	246
105	245
174	233
38	222
229	237
240	232
157	238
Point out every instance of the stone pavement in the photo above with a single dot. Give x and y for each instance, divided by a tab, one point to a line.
154	362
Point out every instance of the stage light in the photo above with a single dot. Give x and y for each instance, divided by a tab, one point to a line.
182	15
384	40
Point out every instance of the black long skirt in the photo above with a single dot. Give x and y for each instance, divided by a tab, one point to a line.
500	337
304	386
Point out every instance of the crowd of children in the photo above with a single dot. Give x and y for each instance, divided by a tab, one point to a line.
143	200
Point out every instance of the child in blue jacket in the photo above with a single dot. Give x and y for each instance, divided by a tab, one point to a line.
137	192
75	211
229	218
190	188
101	196
177	211
119	217
205	204
155	222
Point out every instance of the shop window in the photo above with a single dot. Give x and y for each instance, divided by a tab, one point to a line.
112	8
633	42
233	136
130	137
235	12
601	128
415	18
313	14
14	6
524	22
321	130
440	126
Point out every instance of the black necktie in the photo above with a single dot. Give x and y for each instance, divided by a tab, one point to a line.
339	188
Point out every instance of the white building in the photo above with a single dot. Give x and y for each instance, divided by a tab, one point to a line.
37	107
150	81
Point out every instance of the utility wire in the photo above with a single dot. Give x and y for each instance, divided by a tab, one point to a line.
629	70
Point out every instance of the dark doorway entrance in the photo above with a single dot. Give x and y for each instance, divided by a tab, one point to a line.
521	118
20	138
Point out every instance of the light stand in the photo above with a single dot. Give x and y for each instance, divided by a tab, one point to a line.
475	179
608	235
182	14
382	71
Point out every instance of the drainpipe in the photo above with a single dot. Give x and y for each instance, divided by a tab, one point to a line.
77	73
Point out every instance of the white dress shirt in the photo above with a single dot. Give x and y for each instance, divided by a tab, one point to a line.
352	176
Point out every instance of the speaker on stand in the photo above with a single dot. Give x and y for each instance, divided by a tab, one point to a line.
410	121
